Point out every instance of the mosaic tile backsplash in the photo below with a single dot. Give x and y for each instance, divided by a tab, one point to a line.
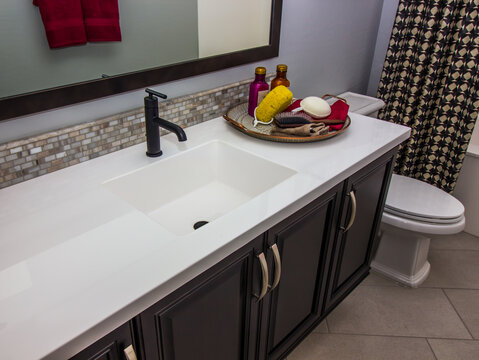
42	154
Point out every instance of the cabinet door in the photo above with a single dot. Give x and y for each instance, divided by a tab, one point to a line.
110	347
294	305
364	198
209	318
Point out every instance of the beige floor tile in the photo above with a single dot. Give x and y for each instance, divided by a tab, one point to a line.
455	349
360	347
397	311
322	328
375	279
461	241
466	303
458	269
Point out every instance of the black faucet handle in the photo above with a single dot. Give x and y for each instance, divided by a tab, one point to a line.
152	93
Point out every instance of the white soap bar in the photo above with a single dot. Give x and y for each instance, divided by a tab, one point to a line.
315	106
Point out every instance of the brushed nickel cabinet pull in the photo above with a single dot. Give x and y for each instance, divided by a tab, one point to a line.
264	276
277	266
353	211
130	353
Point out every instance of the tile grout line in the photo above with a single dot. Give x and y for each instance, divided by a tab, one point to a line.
450	288
430	347
381	285
403	336
457	312
466	250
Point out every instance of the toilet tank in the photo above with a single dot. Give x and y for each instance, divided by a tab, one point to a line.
362	104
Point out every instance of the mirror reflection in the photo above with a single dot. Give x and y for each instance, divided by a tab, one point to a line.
154	33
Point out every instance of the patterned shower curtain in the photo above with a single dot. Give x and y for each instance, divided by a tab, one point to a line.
430	83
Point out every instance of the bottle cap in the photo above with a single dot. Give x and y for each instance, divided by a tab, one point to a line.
260	70
282	67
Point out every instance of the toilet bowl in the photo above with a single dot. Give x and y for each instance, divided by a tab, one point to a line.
414	211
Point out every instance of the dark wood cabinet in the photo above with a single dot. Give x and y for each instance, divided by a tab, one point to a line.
111	346
295	304
210	317
351	253
262	300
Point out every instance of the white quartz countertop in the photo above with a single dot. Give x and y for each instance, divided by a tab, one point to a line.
77	261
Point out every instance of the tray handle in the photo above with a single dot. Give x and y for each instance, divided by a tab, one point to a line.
325	96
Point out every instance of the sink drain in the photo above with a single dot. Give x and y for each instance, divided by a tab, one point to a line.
199	224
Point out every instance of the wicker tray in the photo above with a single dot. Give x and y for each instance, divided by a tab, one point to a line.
239	118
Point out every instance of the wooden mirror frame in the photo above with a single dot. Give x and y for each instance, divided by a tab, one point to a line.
33	102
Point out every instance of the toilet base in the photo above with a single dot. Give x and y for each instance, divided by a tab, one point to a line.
408	280
402	255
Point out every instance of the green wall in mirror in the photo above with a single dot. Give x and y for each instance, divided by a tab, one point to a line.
162	40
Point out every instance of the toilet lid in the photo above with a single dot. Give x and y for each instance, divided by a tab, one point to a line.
416	199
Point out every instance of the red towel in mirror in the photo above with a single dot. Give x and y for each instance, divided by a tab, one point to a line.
102	20
63	22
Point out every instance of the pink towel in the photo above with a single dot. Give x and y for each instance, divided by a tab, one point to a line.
102	20
63	22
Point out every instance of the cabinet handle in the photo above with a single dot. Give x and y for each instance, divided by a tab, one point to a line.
277	266
264	276
130	353
353	211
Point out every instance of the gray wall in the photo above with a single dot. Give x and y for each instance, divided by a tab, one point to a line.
328	45
382	42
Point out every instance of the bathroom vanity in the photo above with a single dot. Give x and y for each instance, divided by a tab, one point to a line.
98	269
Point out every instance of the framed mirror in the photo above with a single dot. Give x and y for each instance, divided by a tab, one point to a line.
162	41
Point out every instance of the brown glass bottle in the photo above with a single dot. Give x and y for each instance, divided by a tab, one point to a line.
280	78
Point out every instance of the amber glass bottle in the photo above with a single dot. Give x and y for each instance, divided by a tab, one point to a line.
280	78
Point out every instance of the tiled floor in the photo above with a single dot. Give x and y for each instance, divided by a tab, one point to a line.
382	320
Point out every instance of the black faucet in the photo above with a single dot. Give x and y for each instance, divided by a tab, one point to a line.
153	124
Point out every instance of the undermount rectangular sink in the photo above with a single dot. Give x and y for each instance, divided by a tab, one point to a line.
200	184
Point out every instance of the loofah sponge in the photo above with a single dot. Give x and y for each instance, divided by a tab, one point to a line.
276	101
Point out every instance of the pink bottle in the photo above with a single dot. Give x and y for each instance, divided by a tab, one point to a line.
257	89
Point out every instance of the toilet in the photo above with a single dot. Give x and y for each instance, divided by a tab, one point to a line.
414	211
